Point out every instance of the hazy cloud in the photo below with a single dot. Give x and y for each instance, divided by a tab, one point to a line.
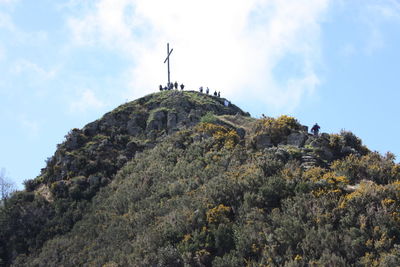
85	101
16	35
374	15
388	9
6	22
34	70
30	127
375	40
2	53
8	1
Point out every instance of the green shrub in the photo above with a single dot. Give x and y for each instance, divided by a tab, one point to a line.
209	117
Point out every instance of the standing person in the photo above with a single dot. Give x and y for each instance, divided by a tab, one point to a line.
315	129
176	85
161	88
207	91
215	93
182	86
201	89
219	94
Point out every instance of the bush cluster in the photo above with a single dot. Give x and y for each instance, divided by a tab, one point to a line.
278	129
223	136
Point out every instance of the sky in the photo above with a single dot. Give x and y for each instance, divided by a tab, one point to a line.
65	63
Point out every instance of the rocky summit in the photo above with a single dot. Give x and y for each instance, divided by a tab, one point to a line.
102	147
181	178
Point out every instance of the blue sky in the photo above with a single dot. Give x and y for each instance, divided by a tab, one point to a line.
65	63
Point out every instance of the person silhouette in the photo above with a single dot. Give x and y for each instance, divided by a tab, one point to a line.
315	129
207	91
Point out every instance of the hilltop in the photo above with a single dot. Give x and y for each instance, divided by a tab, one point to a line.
181	179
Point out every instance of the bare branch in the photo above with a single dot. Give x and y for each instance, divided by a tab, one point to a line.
6	186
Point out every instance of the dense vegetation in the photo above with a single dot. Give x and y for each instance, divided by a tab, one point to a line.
226	191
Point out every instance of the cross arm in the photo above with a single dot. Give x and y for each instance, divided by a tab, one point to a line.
168	55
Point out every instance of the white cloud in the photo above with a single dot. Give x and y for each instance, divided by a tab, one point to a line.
375	40
31	127
8	1
27	67
374	15
388	9
229	45
2	53
19	36
86	101
6	22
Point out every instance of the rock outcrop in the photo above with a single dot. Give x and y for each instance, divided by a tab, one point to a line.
104	146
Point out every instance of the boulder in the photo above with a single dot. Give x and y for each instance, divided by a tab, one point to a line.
304	128
297	139
317	141
91	128
327	154
320	145
262	141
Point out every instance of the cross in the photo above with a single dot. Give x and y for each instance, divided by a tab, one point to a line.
167	59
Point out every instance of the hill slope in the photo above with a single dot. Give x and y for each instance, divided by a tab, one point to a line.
177	178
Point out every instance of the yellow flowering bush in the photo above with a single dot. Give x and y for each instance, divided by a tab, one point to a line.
218	214
314	174
277	128
372	166
224	136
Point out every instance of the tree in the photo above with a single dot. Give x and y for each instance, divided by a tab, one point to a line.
6	187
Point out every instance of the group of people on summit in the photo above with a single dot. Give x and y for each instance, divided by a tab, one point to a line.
171	86
208	91
175	85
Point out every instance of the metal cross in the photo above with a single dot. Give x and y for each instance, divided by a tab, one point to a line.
167	60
